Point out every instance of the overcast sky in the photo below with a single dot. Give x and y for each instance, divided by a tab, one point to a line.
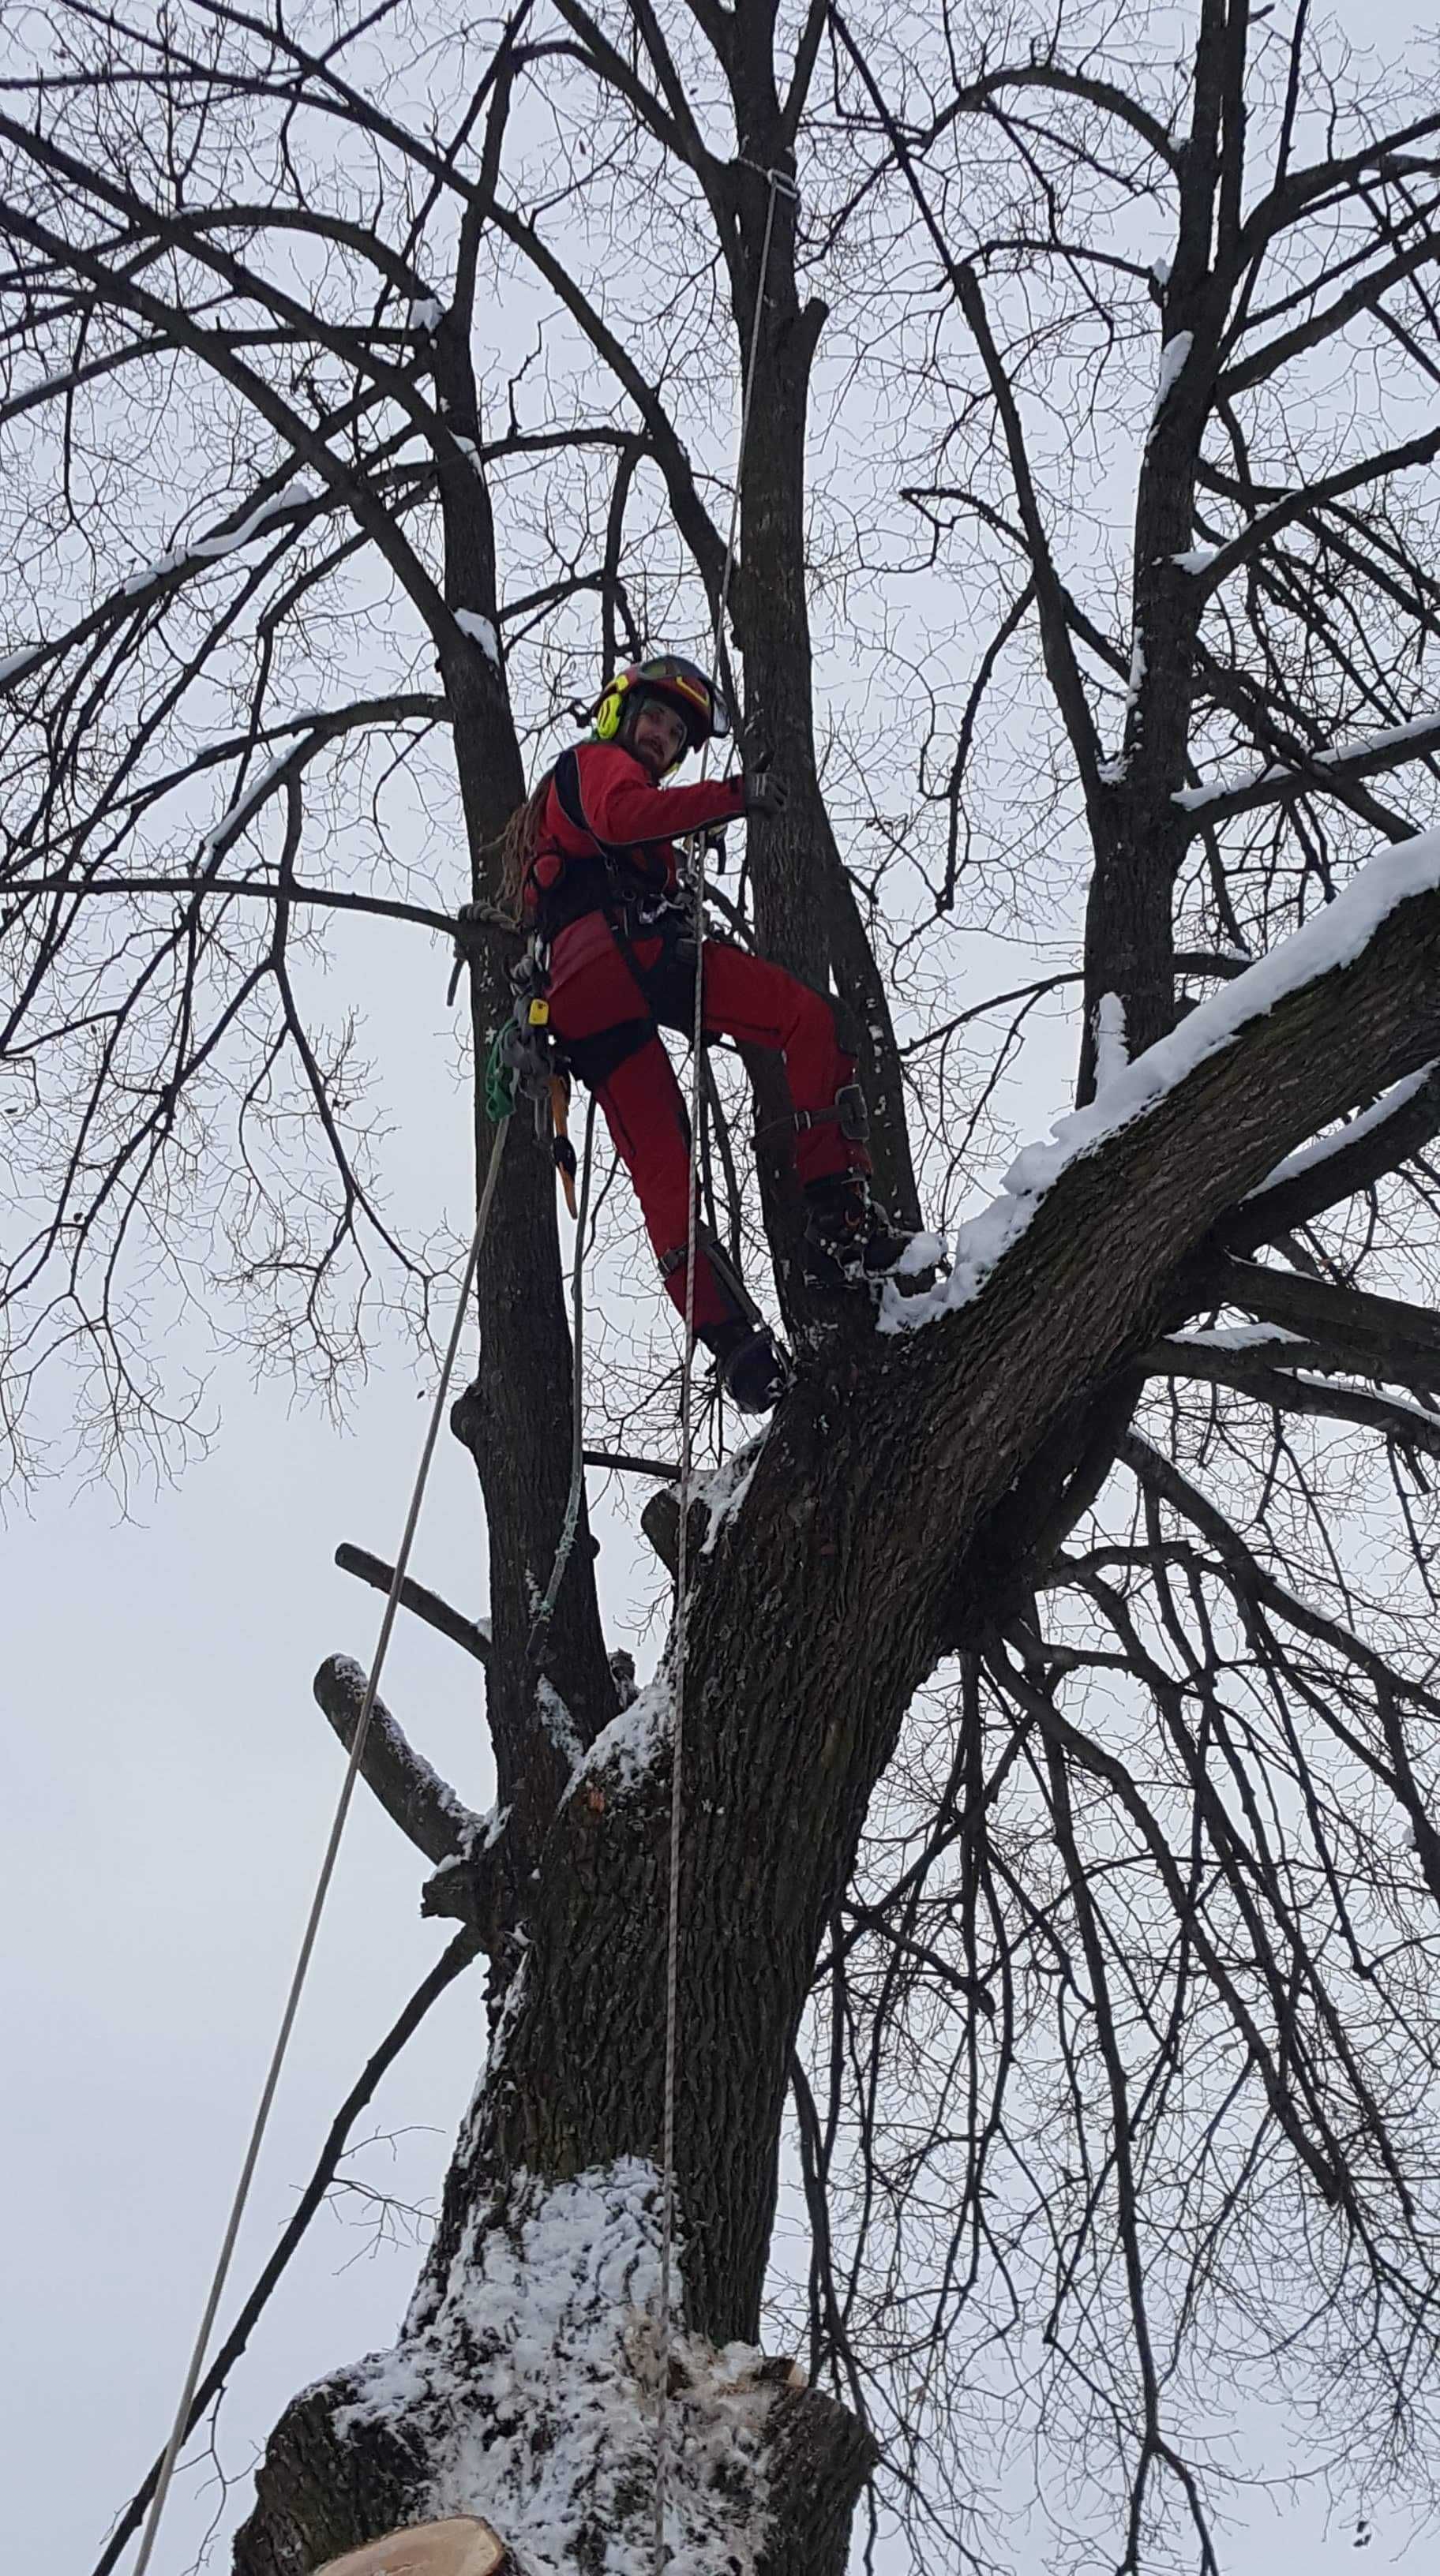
166	1790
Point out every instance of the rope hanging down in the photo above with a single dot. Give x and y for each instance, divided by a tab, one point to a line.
540	1629
780	184
495	1100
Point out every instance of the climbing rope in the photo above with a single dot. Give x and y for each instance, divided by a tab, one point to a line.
546	1612
780	184
499	1101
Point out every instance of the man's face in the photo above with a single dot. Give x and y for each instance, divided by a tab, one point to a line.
657	736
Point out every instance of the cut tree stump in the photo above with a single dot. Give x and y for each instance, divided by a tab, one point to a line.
461	2547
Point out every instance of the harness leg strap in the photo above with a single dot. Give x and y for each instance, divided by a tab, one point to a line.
594	1059
847	1111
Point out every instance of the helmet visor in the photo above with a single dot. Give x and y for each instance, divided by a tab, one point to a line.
687	687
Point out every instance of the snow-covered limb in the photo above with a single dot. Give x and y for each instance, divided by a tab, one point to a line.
1332	938
1323	1149
15	665
422	1804
1237	1337
1297	1390
1344	762
312	732
225	541
217	840
1335	1166
1388	1339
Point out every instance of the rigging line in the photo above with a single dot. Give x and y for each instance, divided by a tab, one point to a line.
546	1612
327	1869
779	183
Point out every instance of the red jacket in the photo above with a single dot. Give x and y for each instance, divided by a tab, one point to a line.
605	831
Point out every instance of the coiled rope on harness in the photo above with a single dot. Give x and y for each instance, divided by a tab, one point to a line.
780	184
499	1102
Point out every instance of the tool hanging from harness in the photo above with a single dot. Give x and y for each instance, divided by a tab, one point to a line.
525	1060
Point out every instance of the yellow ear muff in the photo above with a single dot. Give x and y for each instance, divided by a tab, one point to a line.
609	712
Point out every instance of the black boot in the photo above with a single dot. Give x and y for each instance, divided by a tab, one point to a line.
753	1368
847	1233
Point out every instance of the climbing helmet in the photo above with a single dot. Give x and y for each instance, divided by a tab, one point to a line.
681	684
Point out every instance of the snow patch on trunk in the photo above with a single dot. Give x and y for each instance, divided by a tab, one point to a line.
723	1492
632	1743
1330	939
558	1723
1111	1052
481	631
532	2391
1172	368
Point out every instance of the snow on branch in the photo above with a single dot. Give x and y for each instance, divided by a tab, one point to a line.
1336	767
1385	1338
422	1804
1334	1167
315	731
1296	1390
1331	939
224	541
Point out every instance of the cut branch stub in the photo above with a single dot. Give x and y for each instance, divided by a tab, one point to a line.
461	2546
422	1804
427	1605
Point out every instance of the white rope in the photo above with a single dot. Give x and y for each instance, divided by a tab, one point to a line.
540	1627
327	1872
780	184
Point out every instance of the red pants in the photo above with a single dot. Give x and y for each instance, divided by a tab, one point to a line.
608	1021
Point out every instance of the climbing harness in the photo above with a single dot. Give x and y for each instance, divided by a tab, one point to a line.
500	1100
780	184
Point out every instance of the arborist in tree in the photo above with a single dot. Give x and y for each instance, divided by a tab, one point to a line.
590	861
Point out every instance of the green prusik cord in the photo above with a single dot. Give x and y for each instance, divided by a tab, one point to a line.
501	1084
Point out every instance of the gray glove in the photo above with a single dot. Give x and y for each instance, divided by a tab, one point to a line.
764	793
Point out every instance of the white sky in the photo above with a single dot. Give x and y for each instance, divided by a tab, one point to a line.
166	1788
